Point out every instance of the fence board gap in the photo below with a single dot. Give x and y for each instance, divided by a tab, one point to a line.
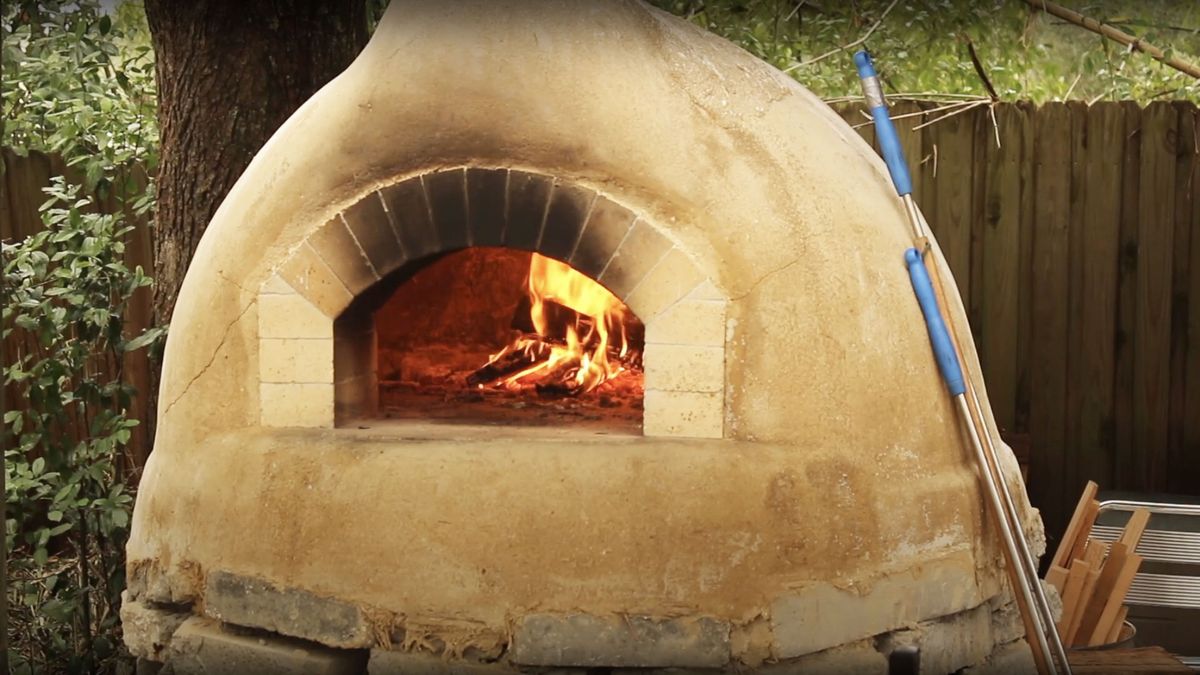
952	227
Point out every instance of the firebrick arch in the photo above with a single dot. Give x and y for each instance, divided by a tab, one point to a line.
320	373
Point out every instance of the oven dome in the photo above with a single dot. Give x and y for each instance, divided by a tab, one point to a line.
810	496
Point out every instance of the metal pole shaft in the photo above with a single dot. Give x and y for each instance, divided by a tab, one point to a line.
1022	572
1006	533
1030	567
914	217
1024	564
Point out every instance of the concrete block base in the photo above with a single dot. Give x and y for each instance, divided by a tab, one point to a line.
204	647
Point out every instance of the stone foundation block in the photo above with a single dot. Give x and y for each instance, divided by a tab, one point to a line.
856	658
148	629
204	647
633	642
1014	658
949	643
385	662
256	603
1006	617
824	616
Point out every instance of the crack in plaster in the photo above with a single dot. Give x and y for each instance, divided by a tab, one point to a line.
754	286
211	359
232	281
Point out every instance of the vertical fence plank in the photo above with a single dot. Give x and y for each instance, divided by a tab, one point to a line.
1094	293
982	142
1000	266
908	114
952	226
1152	339
1048	346
926	146
1181	473
25	176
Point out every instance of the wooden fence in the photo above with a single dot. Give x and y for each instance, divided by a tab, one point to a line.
1075	242
1074	235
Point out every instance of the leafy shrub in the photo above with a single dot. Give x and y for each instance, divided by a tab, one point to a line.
67	504
79	83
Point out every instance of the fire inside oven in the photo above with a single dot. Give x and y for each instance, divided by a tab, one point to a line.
498	335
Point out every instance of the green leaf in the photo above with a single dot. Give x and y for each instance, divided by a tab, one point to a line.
144	339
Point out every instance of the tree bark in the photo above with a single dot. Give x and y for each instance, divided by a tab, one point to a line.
229	73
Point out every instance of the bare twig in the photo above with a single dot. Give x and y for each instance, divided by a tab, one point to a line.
1111	33
987	83
918	113
995	125
794	11
911	96
866	36
1072	87
960	111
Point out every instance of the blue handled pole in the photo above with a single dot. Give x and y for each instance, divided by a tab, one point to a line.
1031	598
889	142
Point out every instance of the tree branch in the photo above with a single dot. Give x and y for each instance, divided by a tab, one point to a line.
987	83
1114	34
859	41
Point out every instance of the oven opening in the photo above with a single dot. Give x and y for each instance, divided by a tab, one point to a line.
488	335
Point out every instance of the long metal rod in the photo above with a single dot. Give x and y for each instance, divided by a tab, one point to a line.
946	355
1046	623
1006	531
1030	566
1031	599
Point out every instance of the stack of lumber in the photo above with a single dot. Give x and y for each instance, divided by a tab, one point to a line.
1093	576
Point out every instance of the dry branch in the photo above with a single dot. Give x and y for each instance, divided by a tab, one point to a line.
1114	34
859	41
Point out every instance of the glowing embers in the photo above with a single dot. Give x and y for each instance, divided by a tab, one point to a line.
580	336
569	351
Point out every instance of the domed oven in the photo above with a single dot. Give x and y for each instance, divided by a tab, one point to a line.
559	334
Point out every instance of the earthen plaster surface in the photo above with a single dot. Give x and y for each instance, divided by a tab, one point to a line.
842	461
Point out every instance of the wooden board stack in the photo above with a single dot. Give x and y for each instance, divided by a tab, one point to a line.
1093	576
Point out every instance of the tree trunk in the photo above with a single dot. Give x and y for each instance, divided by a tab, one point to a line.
229	73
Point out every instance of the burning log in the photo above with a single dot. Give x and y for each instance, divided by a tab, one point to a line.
579	338
517	356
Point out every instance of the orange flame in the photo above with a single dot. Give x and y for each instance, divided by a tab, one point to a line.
595	342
